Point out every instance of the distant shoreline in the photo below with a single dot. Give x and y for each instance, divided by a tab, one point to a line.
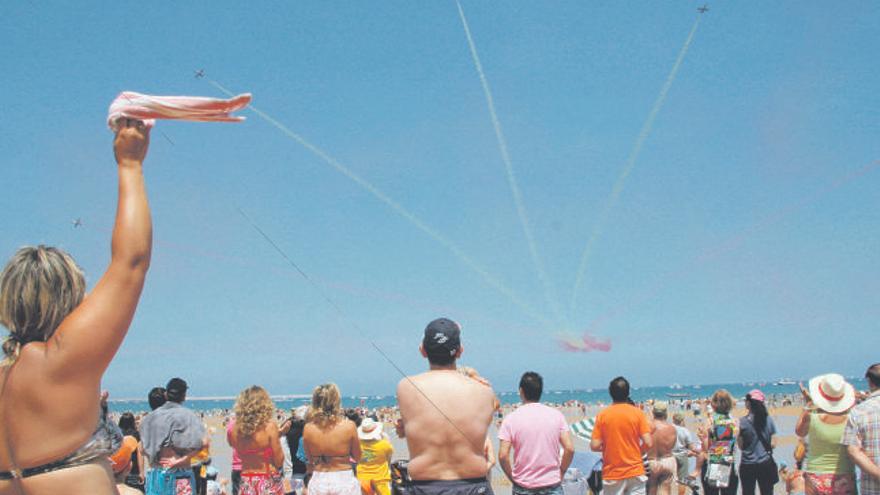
696	390
594	396
217	398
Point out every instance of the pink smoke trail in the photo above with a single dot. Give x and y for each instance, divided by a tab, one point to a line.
586	343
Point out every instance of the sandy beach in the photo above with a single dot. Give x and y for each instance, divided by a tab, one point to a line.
784	417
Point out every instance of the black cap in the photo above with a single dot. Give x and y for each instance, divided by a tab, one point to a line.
176	386
442	338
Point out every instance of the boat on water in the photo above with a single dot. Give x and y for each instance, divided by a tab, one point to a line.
785	381
676	386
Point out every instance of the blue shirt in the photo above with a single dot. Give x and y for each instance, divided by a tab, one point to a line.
753	451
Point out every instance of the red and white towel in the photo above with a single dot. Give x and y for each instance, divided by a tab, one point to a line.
133	105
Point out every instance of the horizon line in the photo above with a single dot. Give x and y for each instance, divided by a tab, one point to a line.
284	397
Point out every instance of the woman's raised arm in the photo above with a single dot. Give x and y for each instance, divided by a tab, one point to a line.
89	337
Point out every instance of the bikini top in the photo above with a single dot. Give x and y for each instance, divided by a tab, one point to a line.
266	453
106	440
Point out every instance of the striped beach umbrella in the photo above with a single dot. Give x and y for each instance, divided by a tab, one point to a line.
584	428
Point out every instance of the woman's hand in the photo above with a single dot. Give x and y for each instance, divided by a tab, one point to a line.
808	400
175	462
131	142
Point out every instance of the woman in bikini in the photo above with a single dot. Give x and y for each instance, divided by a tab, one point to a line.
61	341
256	438
331	444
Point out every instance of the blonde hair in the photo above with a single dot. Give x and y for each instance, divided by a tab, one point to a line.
253	409
39	287
324	409
722	401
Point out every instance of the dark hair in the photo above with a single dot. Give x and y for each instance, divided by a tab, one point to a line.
175	390
156	397
758	412
440	358
354	416
294	434
619	389
126	422
128	425
532	385
873	374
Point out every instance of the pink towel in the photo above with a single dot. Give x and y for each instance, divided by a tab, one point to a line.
133	105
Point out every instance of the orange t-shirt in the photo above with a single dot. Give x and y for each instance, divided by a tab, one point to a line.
620	427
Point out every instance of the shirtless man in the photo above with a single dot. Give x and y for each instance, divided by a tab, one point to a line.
660	459
445	431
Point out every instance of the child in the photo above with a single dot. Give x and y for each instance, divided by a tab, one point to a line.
793	479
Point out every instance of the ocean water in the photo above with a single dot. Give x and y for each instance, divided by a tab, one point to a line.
590	396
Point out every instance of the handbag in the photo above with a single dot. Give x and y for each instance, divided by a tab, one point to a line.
718	474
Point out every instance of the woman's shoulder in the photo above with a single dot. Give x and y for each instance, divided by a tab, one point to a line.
320	428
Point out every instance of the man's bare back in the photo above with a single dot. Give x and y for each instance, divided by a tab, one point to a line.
664	439
438	450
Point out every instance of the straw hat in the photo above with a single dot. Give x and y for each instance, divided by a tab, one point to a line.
370	430
831	393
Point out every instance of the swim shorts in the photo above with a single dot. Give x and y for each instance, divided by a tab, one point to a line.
473	486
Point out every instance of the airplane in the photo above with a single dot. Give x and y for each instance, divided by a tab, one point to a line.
703	9
200	73
77	223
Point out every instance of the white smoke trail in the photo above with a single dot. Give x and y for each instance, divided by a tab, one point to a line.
630	164
549	291
399	209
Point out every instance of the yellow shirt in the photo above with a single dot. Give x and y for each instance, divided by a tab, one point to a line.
200	457
375	456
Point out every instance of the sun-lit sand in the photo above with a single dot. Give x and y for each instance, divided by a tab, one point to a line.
784	417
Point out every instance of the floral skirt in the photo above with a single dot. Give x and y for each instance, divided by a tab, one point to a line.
830	483
261	484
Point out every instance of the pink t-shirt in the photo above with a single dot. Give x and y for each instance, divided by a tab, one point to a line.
236	461
534	430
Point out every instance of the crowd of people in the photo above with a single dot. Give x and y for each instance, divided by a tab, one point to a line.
322	449
61	342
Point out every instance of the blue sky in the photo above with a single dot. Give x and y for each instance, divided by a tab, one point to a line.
742	247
